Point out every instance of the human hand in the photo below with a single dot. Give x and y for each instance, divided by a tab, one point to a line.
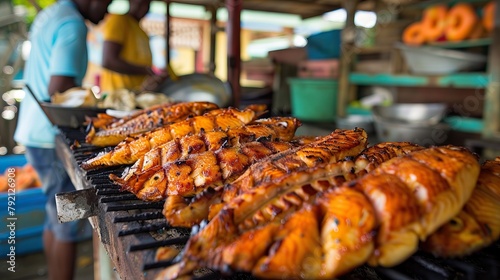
153	81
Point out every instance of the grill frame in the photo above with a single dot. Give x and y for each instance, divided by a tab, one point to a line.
127	229
104	225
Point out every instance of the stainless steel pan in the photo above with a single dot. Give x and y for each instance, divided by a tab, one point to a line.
66	116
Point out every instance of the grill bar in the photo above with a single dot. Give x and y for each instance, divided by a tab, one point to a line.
109	187
123	197
143	229
108	192
99	182
149	266
157	244
388	273
132	206
138	217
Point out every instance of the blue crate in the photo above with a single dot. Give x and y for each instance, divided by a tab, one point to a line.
29	211
10	161
324	45
27	241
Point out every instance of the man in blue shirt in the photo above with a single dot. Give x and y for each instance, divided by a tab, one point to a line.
57	62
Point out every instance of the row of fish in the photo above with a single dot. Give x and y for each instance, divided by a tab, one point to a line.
330	202
379	218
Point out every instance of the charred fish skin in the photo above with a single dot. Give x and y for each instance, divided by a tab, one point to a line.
273	129
132	149
303	188
158	109
192	175
336	235
400	217
331	148
412	202
396	220
147	121
105	121
477	225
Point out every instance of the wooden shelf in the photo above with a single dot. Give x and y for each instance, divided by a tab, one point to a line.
425	4
458	80
463	44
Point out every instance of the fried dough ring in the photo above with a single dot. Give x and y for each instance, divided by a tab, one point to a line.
489	16
460	22
434	22
414	34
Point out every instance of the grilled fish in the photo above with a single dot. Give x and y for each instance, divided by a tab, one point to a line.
477	225
319	241
146	120
340	230
132	149
103	121
331	148
270	129
193	174
186	212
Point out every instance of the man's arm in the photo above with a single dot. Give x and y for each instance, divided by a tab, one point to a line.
60	84
111	60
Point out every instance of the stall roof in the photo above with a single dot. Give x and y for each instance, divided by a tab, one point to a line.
303	8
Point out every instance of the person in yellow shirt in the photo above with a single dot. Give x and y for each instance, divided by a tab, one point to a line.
127	59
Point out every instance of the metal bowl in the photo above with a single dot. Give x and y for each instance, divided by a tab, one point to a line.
197	87
425	135
352	121
417	123
411	113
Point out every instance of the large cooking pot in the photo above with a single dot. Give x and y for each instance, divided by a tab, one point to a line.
197	87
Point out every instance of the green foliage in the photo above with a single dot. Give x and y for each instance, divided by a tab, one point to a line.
31	10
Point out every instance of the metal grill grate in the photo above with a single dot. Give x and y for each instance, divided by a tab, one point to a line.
148	219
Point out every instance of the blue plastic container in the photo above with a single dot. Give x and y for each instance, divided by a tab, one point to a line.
29	213
324	45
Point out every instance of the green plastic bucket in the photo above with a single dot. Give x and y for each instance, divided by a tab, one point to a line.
313	99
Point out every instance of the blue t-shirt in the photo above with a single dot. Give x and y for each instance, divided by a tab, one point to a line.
58	39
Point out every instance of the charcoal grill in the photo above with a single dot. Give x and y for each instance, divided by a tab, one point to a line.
131	230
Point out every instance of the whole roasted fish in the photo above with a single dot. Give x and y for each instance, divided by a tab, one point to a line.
186	212
193	174
146	120
270	129
378	218
331	148
103	121
478	224
133	148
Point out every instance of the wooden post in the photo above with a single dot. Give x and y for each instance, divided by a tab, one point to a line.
167	34
233	31
213	37
346	56
491	115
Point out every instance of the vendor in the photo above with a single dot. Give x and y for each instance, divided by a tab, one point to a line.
127	59
56	63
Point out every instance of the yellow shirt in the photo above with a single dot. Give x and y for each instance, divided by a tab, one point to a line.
125	30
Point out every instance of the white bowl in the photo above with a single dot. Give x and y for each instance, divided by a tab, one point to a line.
438	61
